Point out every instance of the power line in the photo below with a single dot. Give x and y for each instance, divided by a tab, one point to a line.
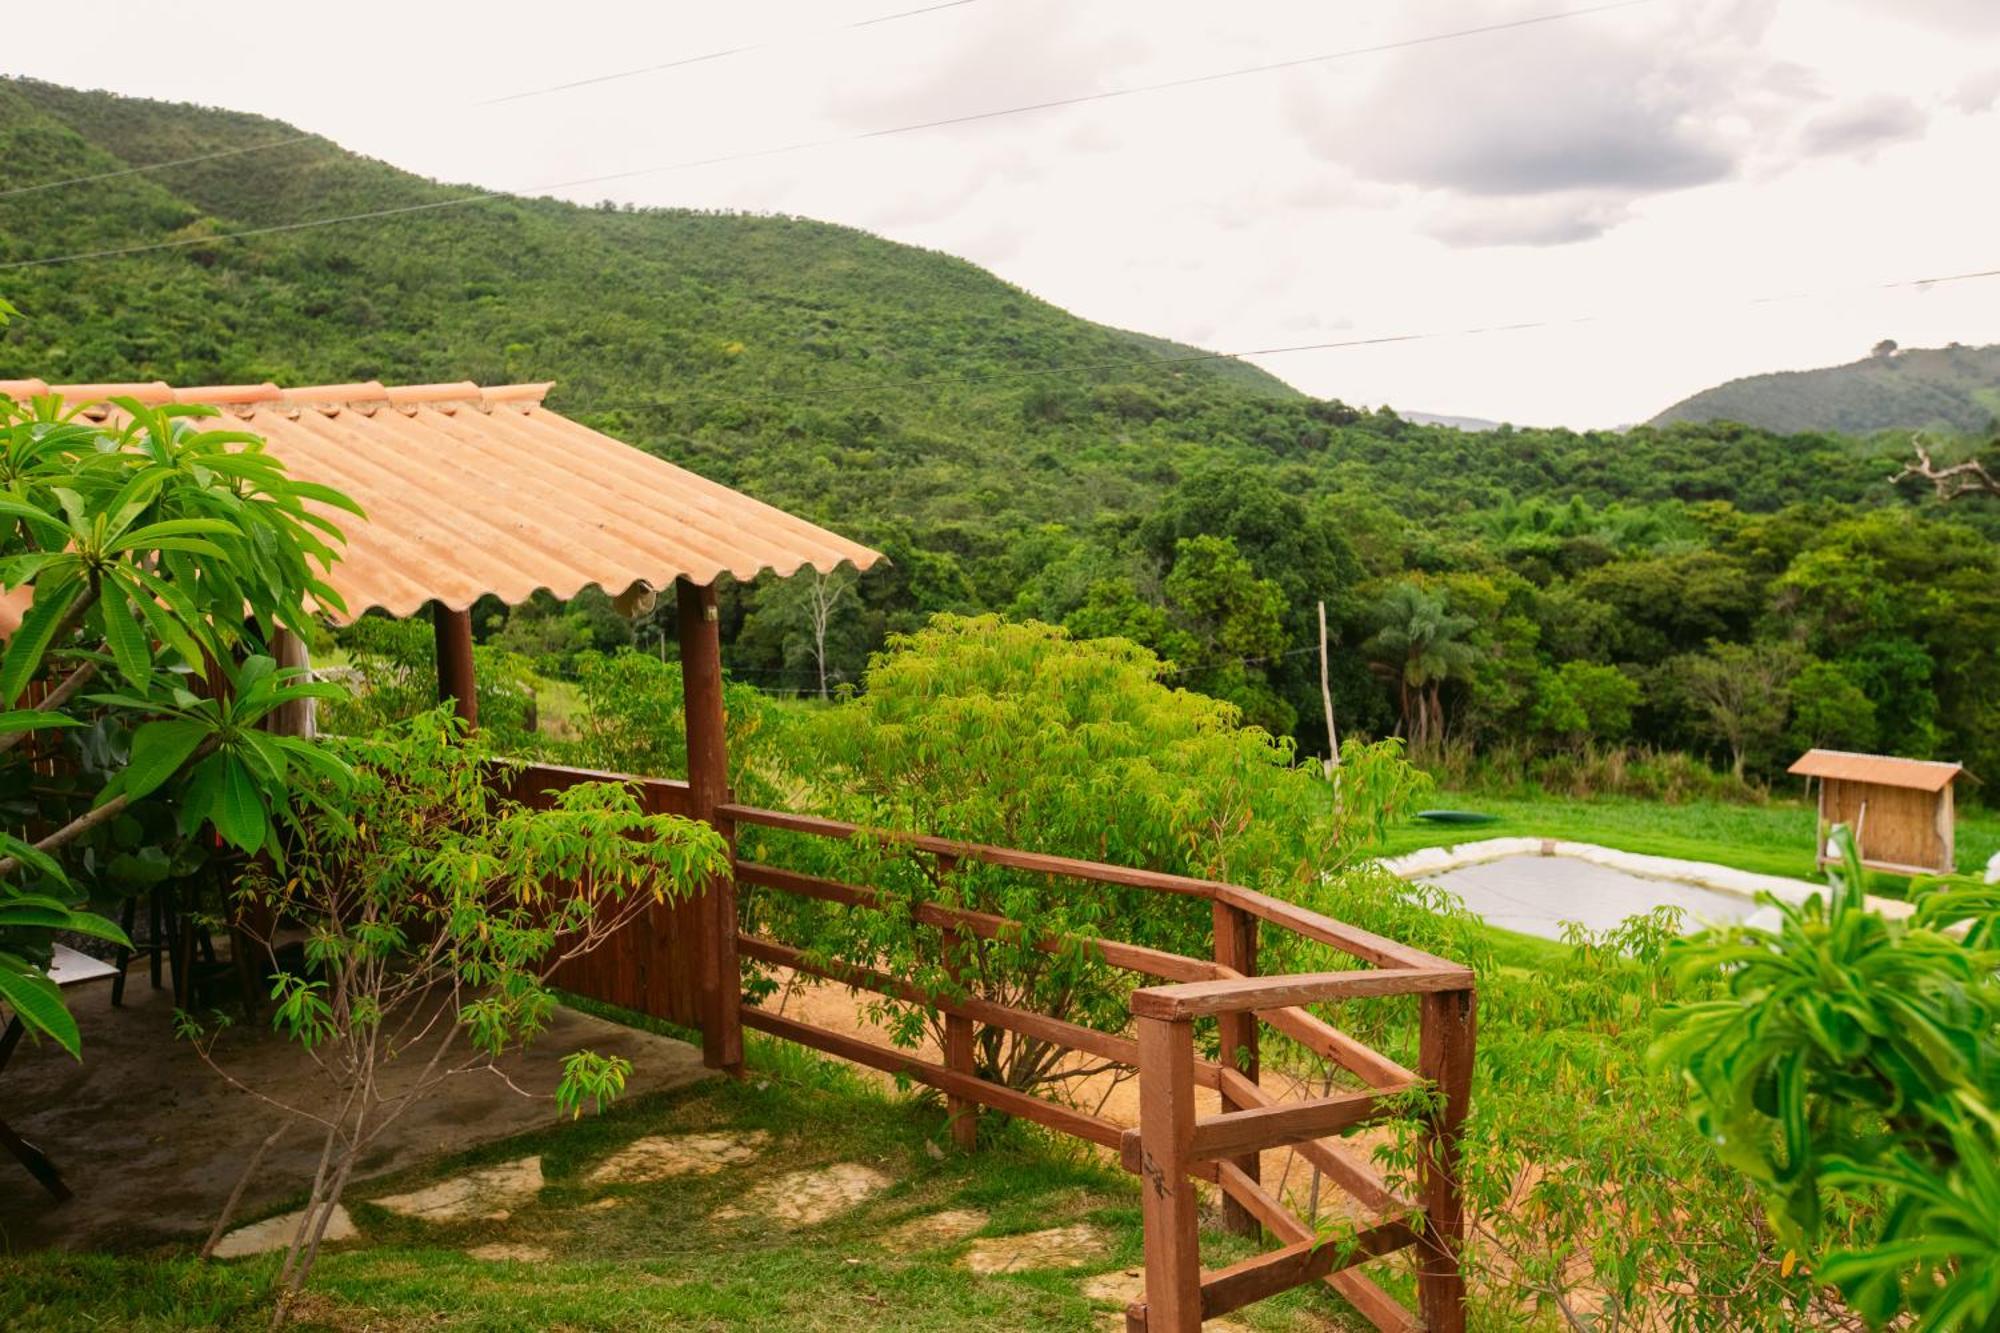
519	96
709	56
1189	358
807	145
158	166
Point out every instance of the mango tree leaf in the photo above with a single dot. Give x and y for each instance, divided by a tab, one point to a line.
130	648
239	807
38	1002
158	751
34	719
30	642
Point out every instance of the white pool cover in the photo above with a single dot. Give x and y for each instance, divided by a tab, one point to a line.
1536	894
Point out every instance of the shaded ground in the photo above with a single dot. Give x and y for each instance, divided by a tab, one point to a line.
152	1141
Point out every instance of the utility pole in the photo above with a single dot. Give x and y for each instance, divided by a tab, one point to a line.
1326	697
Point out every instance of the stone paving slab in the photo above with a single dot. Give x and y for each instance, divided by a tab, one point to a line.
275	1233
489	1194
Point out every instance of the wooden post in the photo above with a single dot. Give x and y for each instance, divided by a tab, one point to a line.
962	1112
1444	1057
1236	947
299	717
1166	1192
708	787
1326	698
454	661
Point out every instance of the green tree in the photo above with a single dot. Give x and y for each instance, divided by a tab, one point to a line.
161	560
1585	701
1232	625
1420	645
435	912
1740	694
1019	736
1829	709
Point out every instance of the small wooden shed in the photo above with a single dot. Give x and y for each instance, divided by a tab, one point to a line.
1900	810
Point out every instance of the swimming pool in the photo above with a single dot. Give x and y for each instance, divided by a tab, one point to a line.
1535	894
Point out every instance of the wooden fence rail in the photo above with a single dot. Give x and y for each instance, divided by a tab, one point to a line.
1173	1144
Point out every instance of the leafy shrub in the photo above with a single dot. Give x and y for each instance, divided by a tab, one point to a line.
161	560
1851	1071
435	911
1018	735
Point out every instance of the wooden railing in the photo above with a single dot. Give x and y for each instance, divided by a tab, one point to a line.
1174	1144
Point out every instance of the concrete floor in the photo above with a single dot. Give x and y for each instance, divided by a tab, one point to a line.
1536	894
152	1141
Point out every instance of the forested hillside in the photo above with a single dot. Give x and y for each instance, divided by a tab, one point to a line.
1542	591
1950	389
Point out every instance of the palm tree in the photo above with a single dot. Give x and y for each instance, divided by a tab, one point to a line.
1420	644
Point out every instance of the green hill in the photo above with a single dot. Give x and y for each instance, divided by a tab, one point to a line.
1005	454
1954	390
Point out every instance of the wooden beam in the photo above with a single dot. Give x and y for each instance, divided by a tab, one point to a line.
1166	1193
1116	953
1445	1051
1079	1124
456	682
1198	998
1240	1133
708	791
1235	939
1097	872
1378	1306
1359	1179
1267	1275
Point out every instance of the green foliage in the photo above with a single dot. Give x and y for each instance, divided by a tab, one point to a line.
436	910
1892	389
911	400
1020	736
396	663
158	559
1420	645
1851	1072
1584	701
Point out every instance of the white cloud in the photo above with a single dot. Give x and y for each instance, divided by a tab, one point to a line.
1649	167
1863	125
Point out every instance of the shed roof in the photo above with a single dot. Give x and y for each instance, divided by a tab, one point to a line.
472	490
1878	770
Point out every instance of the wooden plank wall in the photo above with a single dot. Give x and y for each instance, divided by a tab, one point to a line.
1902	826
650	966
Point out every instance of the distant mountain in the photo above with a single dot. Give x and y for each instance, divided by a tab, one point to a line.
1952	389
1456	423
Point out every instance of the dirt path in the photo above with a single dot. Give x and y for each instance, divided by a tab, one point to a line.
841	1010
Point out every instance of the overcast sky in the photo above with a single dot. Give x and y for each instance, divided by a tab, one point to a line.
1641	176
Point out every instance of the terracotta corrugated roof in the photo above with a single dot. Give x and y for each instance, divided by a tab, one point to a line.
1880	770
472	490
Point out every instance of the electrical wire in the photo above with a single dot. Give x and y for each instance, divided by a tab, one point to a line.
705	58
1030	372
807	145
522	95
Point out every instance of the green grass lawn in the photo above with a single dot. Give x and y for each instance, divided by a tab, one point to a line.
659	1257
1771	839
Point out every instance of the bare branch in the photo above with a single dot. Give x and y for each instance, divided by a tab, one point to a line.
1967	478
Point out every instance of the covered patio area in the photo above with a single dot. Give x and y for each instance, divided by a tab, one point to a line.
473	491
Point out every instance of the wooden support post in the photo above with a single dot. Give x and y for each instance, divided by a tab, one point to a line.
454	661
959	1035
1445	1051
1166	1191
708	787
1236	947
